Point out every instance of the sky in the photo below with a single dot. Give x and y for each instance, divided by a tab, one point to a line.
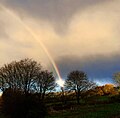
77	34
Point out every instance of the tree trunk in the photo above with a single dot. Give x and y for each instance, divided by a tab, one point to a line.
40	93
78	95
43	94
63	96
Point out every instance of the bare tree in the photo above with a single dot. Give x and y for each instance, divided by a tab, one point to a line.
78	81
27	76
45	82
19	75
116	77
22	80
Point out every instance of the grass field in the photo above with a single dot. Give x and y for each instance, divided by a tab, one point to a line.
98	107
89	111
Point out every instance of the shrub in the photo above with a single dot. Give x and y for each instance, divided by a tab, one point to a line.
17	105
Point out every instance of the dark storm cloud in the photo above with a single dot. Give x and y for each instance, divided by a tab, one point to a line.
96	67
58	12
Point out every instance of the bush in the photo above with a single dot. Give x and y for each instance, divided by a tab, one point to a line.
116	98
17	105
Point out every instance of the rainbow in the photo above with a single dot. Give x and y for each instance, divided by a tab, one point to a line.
35	37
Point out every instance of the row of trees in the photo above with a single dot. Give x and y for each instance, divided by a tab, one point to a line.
107	89
28	76
26	83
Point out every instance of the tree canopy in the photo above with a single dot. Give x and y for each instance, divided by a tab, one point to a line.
25	75
116	77
78	81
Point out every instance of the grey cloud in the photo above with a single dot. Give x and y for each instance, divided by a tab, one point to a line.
2	30
58	12
97	67
3	34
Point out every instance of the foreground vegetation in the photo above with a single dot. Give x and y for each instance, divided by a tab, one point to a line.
95	107
27	93
89	111
105	106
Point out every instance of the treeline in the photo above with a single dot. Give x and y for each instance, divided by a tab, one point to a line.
108	90
26	86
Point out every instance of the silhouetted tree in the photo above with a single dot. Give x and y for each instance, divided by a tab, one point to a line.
78	81
27	76
19	75
20	81
44	83
116	77
16	105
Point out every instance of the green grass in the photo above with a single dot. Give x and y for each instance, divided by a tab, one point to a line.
91	111
87	109
1	116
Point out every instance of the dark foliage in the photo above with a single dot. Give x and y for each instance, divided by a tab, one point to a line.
17	105
27	76
45	82
24	85
78	81
116	77
116	98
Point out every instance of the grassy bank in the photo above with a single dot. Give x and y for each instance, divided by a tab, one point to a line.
94	107
89	111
